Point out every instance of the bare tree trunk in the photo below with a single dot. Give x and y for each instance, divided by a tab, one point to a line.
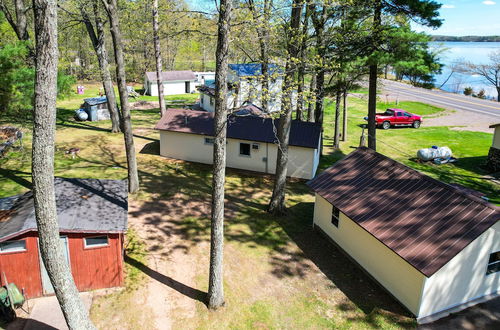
372	84
344	116
336	135
156	40
263	36
44	129
215	294
98	41
133	177
319	26
310	106
277	203
20	23
498	94
302	65
372	107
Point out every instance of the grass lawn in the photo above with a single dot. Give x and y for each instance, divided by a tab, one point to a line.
278	272
413	107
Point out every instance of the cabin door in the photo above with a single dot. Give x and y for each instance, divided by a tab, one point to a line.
188	87
46	285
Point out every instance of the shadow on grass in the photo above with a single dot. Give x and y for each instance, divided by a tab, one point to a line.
82	125
188	291
450	173
152	148
366	294
17	177
175	200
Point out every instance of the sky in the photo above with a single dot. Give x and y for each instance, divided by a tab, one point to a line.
461	17
468	17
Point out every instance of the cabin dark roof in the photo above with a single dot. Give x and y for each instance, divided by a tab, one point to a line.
96	100
494	125
425	221
208	89
83	205
172	75
302	134
253	69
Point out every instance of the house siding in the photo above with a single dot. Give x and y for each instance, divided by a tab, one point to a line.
170	88
496	138
397	276
23	268
464	277
205	102
192	147
93	268
96	268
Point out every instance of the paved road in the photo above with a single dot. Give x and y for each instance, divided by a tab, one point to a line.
443	99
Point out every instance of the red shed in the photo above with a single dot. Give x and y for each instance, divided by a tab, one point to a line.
92	217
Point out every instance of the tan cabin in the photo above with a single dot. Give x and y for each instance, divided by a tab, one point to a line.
433	246
251	141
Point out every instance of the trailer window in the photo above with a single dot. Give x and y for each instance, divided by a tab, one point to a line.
493	263
335	216
13	246
245	149
96	241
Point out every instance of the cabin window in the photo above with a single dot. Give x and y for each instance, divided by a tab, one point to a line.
493	263
13	246
335	216
245	149
211	101
96	241
209	140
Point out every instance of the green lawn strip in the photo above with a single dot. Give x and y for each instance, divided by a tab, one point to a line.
402	144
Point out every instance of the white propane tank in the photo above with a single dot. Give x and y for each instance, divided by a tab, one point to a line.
81	115
431	153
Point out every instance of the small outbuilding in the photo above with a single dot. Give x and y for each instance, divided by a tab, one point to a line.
494	153
432	246
251	141
174	82
92	217
96	108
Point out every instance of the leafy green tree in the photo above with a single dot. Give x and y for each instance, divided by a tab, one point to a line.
17	79
424	12
468	91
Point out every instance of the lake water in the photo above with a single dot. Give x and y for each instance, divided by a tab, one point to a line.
475	52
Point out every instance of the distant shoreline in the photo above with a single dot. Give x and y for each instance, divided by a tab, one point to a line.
466	38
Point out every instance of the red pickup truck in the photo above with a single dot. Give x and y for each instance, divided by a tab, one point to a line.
397	117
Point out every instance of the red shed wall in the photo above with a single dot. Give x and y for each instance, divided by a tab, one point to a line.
98	267
23	268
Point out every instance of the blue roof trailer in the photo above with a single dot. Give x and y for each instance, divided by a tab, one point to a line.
253	69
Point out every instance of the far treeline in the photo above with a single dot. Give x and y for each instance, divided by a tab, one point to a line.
466	38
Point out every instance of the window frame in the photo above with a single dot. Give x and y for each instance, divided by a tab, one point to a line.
335	216
95	246
492	264
249	150
24	249
209	141
211	100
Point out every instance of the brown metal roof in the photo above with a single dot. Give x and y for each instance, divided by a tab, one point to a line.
494	125
302	134
172	75
424	221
